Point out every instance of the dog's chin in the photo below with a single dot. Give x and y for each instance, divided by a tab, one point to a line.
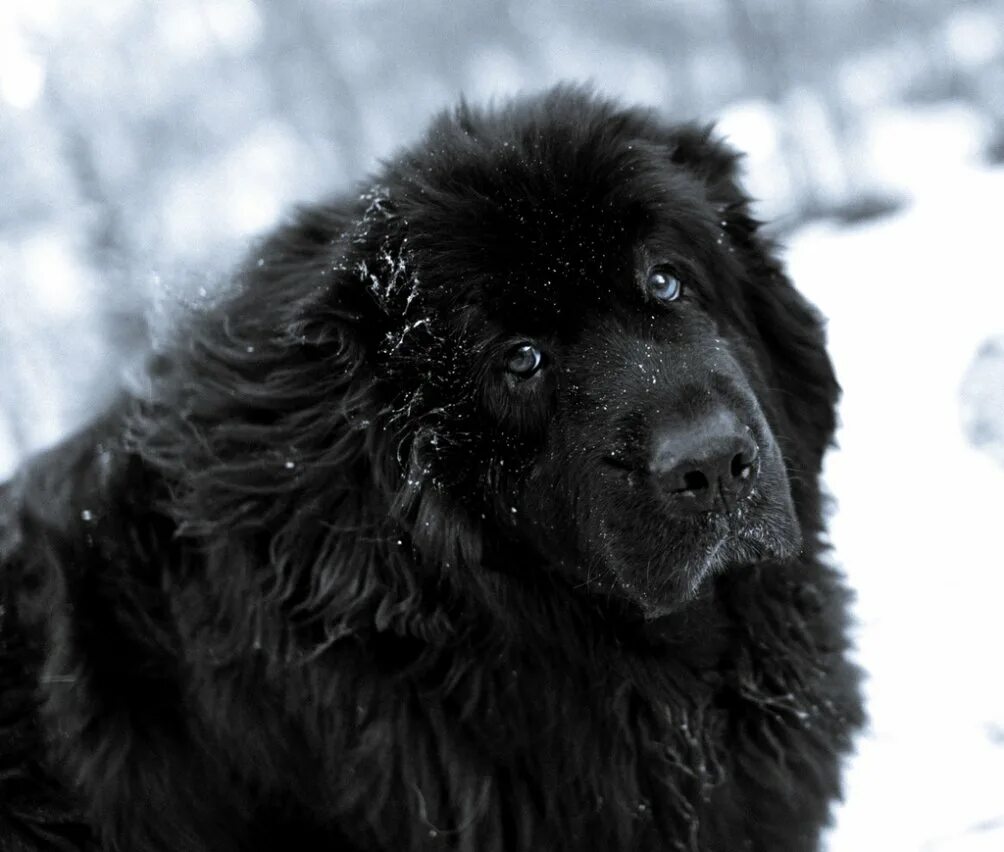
670	581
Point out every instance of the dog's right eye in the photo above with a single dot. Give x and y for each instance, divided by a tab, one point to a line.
524	360
664	285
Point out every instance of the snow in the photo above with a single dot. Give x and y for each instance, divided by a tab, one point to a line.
756	127
983	399
973	36
242	195
924	152
910	299
8	450
191	32
22	72
53	275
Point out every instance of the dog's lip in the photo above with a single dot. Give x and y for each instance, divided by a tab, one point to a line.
725	540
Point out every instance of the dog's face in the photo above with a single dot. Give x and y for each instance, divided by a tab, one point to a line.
577	361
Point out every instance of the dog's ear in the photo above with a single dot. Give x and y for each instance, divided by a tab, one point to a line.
445	536
271	424
791	329
713	161
265	407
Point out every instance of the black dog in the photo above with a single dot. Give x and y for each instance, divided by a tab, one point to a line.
482	515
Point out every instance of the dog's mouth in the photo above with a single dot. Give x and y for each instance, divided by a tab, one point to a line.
649	528
690	550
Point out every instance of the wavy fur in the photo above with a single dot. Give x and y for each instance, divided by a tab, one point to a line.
293	595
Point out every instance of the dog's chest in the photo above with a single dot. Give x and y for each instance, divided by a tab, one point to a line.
553	757
614	751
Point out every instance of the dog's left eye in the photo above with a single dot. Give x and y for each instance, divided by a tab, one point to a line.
664	285
524	360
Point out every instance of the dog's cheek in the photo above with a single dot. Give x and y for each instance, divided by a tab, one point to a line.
444	533
540	511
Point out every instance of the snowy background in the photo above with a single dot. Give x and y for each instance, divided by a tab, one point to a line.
143	143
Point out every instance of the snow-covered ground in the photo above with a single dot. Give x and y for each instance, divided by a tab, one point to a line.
910	298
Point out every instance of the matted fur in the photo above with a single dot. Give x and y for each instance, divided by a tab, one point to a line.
334	582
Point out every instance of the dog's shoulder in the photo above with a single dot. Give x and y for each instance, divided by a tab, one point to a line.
37	810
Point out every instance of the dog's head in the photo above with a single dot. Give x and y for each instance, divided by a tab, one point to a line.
550	338
594	355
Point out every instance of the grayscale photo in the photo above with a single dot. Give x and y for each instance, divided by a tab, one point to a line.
501	426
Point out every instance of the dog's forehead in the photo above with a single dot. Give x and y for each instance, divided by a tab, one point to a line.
554	247
551	264
539	241
541	216
539	263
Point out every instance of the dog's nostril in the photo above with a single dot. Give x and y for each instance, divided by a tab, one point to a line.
705	464
742	465
695	480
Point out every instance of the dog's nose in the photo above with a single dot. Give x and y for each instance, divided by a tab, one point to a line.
707	463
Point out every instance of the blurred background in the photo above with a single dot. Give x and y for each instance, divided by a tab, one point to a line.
143	143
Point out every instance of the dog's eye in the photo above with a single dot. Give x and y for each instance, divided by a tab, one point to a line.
523	360
664	285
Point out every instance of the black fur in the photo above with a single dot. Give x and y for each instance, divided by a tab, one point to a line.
337	580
